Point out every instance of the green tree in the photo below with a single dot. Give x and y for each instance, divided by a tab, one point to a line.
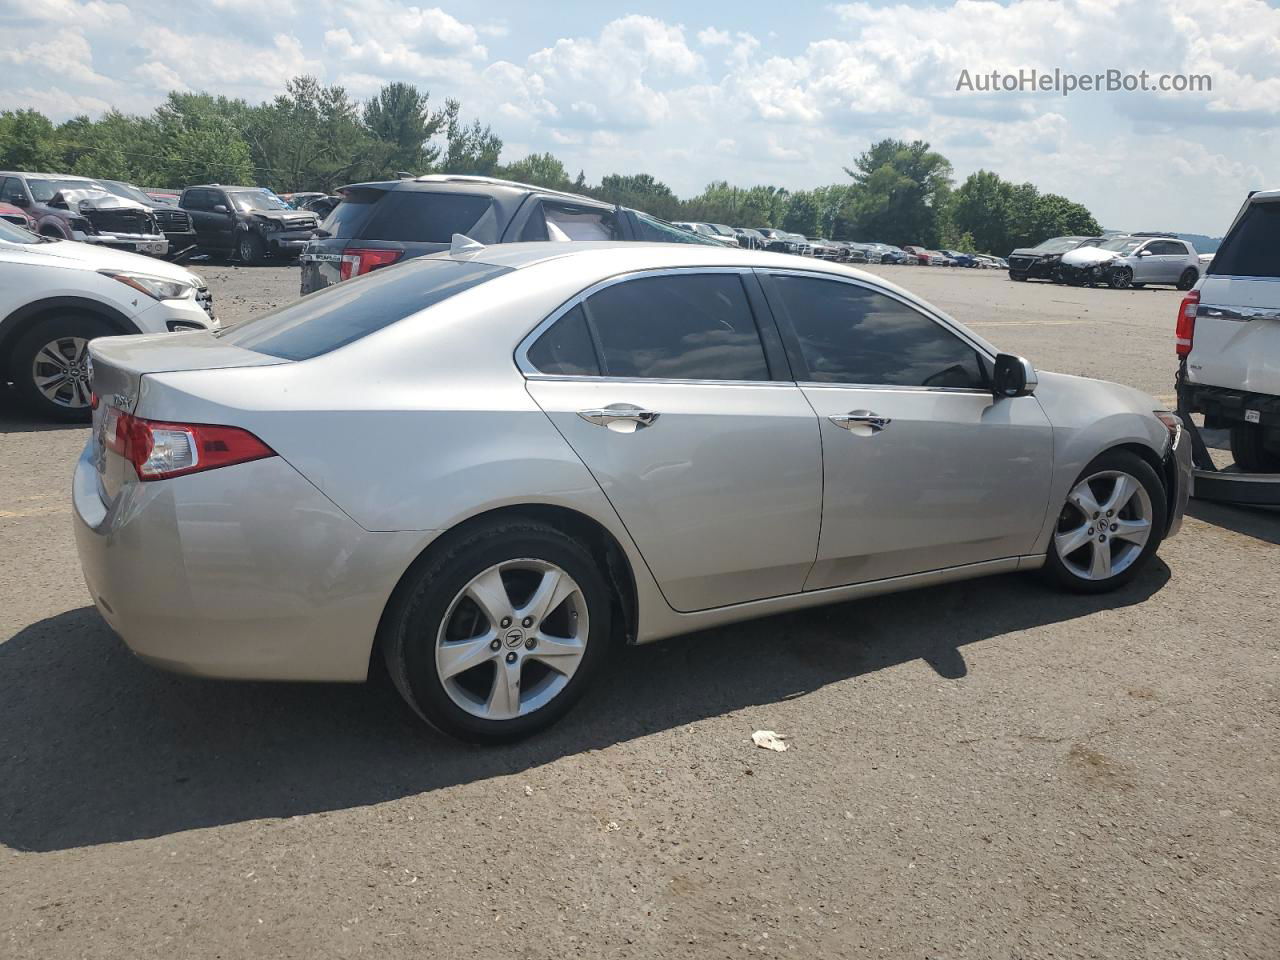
540	169
28	141
899	192
981	207
802	214
310	138
640	191
399	120
201	140
469	149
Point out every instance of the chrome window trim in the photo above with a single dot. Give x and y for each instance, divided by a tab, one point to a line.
889	388
533	373
1236	314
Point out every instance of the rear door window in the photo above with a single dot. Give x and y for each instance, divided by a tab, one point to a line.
345	312
684	326
1252	249
415	216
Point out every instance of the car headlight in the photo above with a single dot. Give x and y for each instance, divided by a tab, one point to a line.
157	288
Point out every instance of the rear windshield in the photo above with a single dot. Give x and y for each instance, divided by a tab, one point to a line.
347	311
1252	249
413	216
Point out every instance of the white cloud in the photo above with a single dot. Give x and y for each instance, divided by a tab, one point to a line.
732	99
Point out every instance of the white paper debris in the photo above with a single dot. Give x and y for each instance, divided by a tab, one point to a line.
768	740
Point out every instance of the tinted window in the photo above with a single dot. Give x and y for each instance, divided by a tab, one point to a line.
345	312
1252	249
566	348
12	190
348	218
411	215
199	199
850	334
679	327
1165	248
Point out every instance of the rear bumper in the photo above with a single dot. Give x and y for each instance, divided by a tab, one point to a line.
1223	407
245	572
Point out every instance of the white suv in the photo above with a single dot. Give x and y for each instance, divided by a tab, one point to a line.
1228	336
57	295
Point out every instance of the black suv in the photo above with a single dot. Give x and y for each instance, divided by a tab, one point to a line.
246	222
377	224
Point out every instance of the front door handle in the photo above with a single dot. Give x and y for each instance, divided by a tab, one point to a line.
620	417
860	422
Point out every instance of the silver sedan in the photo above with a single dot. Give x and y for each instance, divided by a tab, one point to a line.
489	467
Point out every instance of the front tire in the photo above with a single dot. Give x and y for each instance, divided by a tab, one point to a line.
1110	526
1017	275
49	365
1121	279
251	249
1248	451
499	633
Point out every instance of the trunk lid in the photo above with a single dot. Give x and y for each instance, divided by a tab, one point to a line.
119	365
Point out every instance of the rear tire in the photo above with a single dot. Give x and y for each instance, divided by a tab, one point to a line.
1248	451
48	365
449	655
251	249
1093	551
1188	278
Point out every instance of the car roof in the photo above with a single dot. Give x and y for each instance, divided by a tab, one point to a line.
51	176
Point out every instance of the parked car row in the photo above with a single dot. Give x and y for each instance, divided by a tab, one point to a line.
1119	261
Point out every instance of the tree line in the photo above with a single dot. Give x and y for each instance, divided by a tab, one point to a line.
316	137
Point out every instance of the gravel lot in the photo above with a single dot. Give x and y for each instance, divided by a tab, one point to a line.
989	769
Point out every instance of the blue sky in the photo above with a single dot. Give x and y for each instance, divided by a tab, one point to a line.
750	92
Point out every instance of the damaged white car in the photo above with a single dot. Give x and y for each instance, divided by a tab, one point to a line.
1132	261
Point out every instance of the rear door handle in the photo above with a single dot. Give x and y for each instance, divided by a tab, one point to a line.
620	417
861	422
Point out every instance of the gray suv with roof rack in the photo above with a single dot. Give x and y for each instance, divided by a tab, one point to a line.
386	222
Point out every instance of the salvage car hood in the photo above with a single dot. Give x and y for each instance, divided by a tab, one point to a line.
1031	252
1087	257
83	201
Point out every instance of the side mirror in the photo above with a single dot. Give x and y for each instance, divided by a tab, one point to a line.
18	200
1144	253
1013	377
219	208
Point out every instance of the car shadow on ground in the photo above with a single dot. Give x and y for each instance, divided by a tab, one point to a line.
1261	523
14	418
96	747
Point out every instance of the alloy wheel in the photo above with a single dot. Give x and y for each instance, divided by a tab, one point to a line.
1104	525
1121	279
60	372
512	639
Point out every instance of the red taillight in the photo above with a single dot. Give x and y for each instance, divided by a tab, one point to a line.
357	261
1185	331
159	451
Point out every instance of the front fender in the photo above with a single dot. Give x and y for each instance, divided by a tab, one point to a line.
1088	418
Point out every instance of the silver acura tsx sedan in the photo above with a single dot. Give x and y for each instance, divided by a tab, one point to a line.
489	466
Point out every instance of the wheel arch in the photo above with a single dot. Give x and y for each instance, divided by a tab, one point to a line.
19	321
603	545
1165	469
